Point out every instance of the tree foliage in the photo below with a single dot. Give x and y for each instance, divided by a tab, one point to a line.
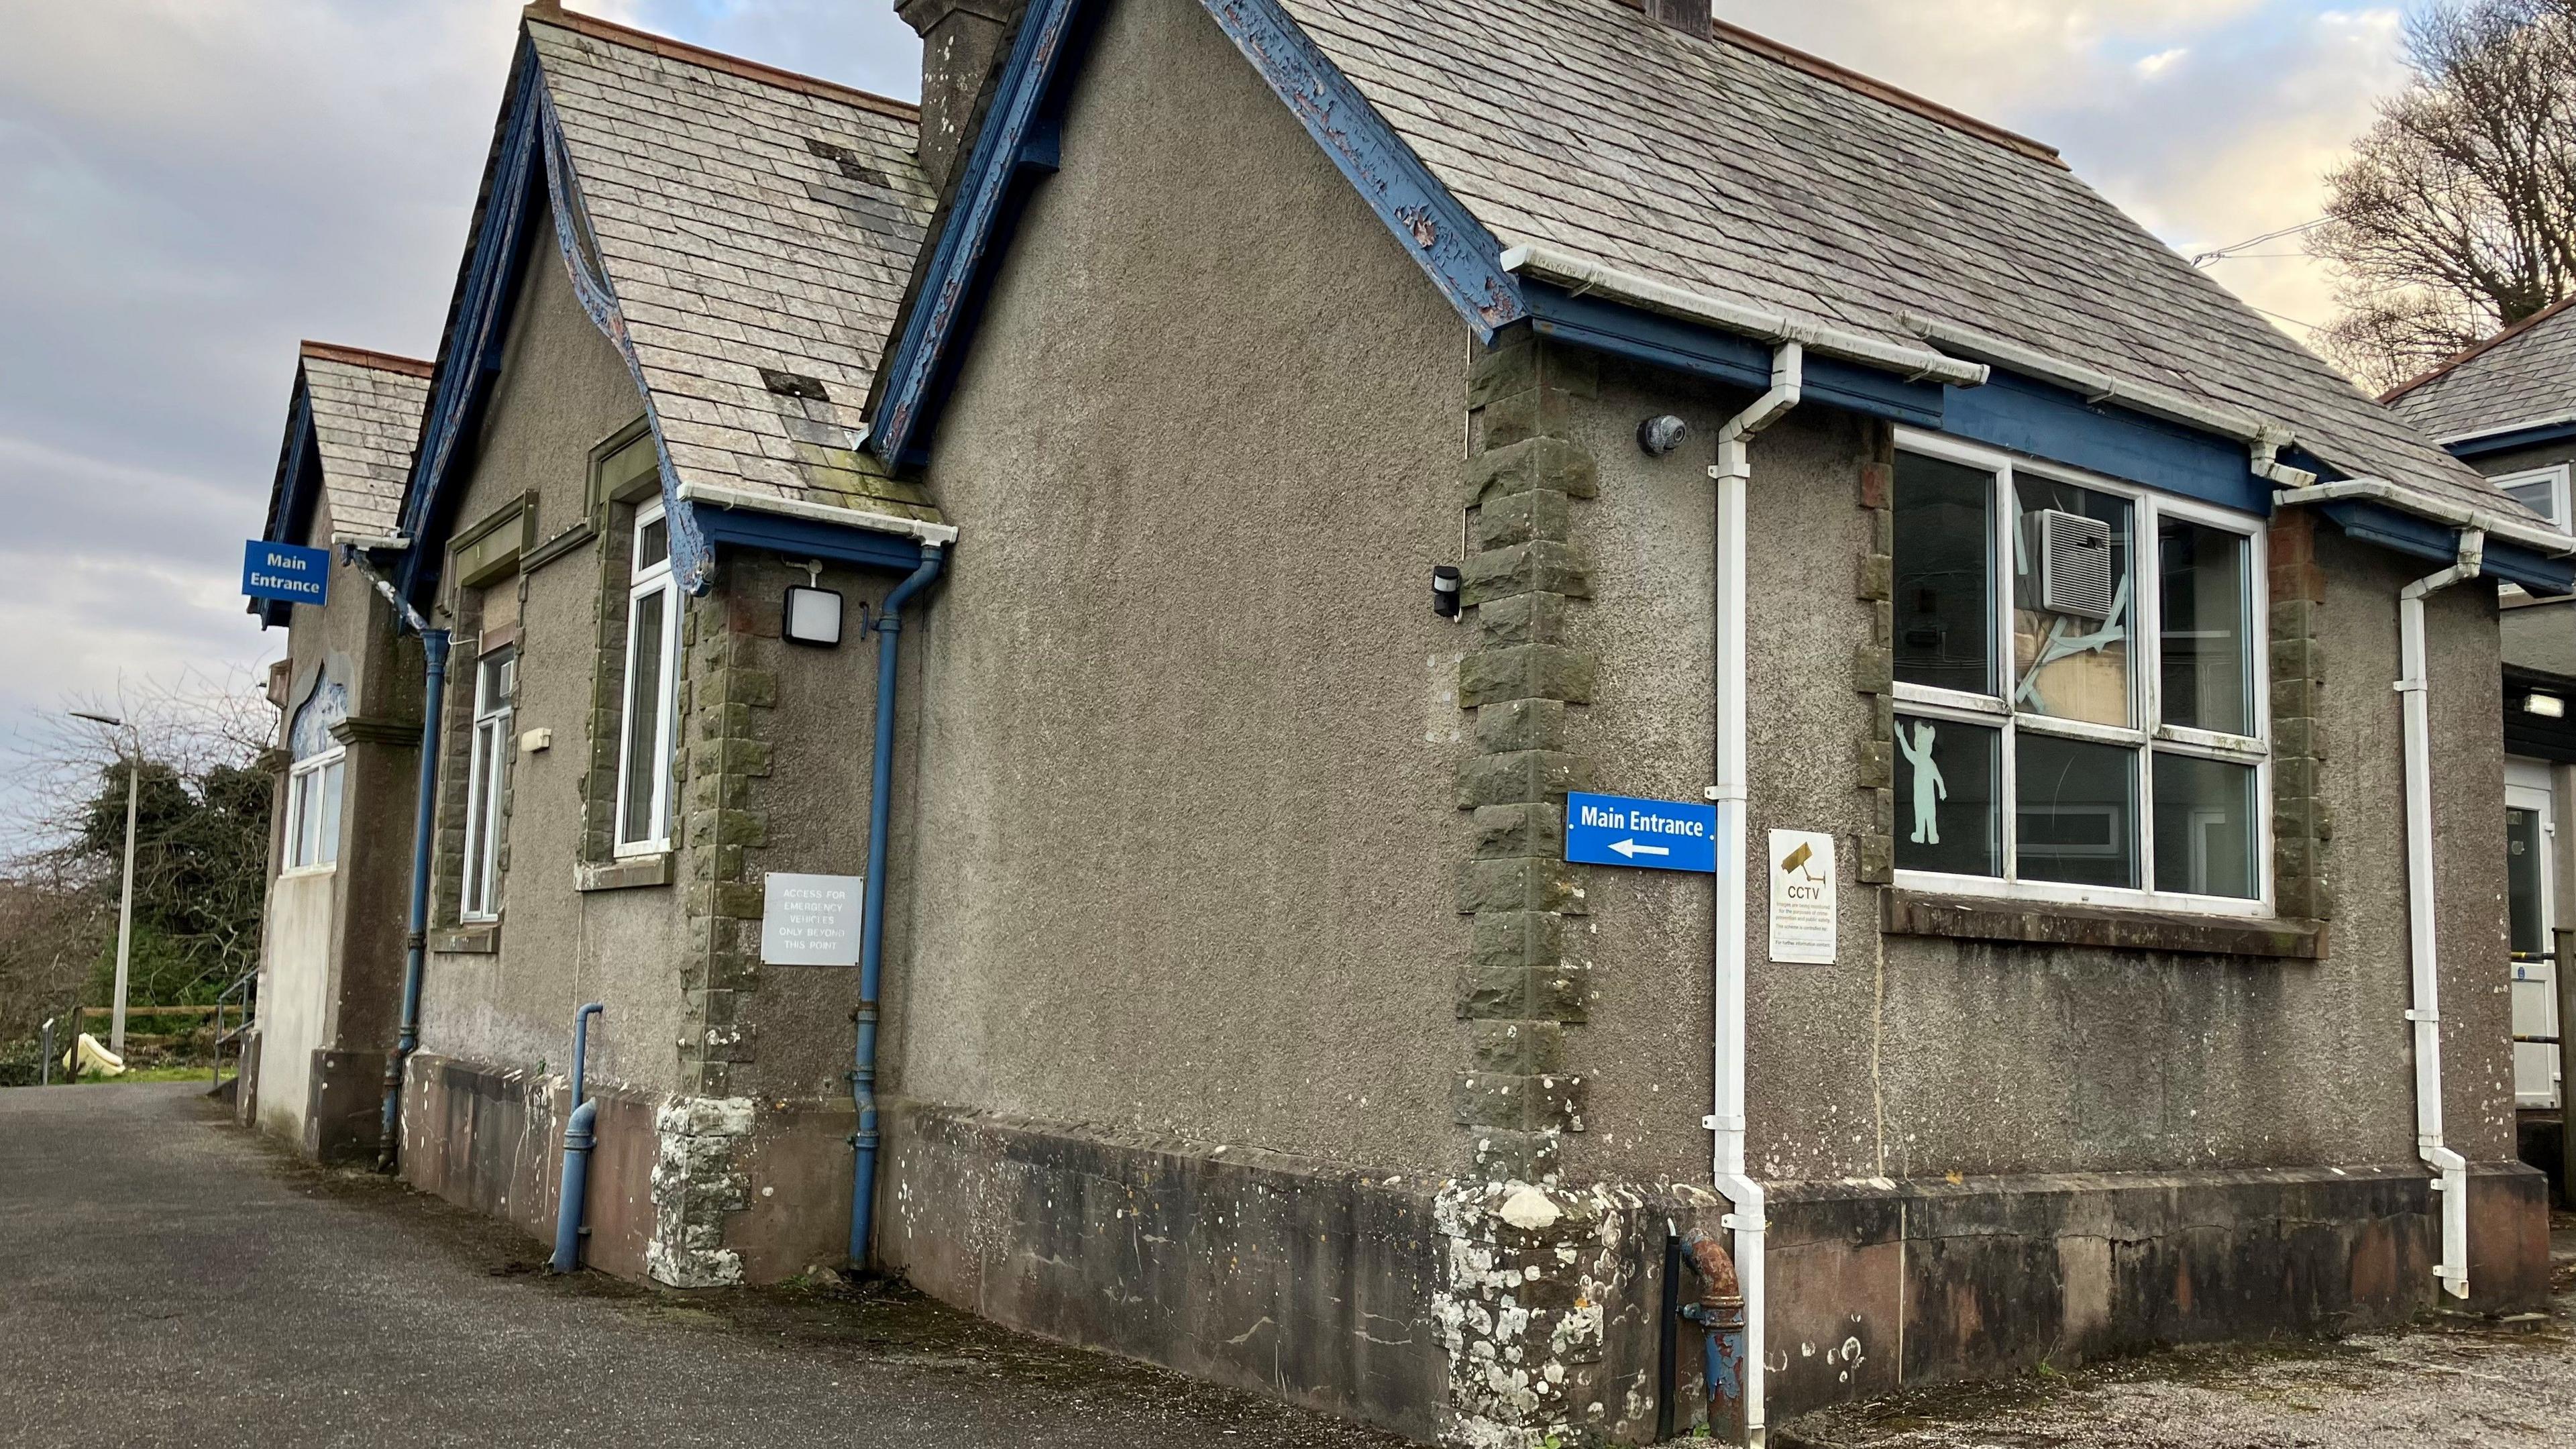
2457	213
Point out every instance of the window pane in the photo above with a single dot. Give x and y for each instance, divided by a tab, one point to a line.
2208	670
652	543
2071	604
644	704
327	845
2540	496
1944	547
2075	818
2522	881
2205	827
493	678
478	817
299	790
1945	797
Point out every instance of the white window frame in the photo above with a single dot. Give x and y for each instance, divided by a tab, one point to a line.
308	784
2556	476
488	763
643	582
2146	684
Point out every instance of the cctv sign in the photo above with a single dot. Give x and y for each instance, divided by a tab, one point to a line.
1802	897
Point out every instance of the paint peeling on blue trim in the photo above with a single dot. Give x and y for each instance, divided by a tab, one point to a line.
988	191
693	561
1462	258
470	358
2423	538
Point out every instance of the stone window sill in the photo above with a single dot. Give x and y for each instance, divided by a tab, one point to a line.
480	939
619	875
1972	918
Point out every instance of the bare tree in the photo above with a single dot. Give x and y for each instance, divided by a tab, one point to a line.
201	855
2457	212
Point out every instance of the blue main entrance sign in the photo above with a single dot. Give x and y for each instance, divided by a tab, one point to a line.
287	571
1654	834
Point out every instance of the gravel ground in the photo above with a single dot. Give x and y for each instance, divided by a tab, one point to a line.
169	1279
2446	1382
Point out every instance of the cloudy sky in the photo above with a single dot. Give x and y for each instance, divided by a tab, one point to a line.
189	186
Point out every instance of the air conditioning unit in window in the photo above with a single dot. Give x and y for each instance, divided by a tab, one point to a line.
2076	575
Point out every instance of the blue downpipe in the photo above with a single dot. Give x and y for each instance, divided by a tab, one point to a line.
433	643
577	1139
863	1064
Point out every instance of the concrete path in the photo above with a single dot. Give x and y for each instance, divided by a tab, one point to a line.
167	1279
2450	1383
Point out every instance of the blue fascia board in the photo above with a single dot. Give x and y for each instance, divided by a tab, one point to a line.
299	484
1703	351
1453	248
809	538
1012	148
2512	438
2439	543
2023	415
469	361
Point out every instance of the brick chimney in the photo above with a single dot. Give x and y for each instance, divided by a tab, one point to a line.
958	41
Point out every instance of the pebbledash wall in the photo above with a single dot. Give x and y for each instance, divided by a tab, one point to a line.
723	1153
1243	1017
331	955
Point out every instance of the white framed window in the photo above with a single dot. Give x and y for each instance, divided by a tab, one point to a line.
2080	687
2542	490
648	698
313	789
316	780
495	680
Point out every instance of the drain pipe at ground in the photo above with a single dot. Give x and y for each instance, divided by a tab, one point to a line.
2451	1170
579	1135
1726	1118
863	1047
433	644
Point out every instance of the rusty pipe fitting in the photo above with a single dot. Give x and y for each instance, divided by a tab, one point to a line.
1720	1310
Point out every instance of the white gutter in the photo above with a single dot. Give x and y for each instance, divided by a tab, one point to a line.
2538	537
938	534
2548	421
2422	945
1726	1117
1585	274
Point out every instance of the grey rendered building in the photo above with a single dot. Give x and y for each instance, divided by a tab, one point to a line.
348	744
2008	614
2508	408
1245	1012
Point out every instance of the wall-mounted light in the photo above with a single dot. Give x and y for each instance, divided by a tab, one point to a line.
2547	706
812	616
1444	591
1661	434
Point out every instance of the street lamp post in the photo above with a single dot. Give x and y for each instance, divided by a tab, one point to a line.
125	905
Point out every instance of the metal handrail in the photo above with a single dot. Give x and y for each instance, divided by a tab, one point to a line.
245	990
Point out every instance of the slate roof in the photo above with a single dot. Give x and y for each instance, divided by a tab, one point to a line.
2523	374
1735	167
366	419
757	228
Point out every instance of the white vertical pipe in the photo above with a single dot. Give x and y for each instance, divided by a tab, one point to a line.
125	897
2422	950
1726	1119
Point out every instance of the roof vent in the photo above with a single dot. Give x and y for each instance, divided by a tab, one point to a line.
794	384
1690	17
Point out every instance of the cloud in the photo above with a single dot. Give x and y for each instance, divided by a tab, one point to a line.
189	186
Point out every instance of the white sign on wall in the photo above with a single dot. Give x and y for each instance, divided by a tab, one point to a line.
1802	897
810	920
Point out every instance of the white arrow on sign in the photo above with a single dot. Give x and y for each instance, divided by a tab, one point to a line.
1632	849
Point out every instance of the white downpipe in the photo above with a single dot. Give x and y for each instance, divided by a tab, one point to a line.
1726	1117
2452	1169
